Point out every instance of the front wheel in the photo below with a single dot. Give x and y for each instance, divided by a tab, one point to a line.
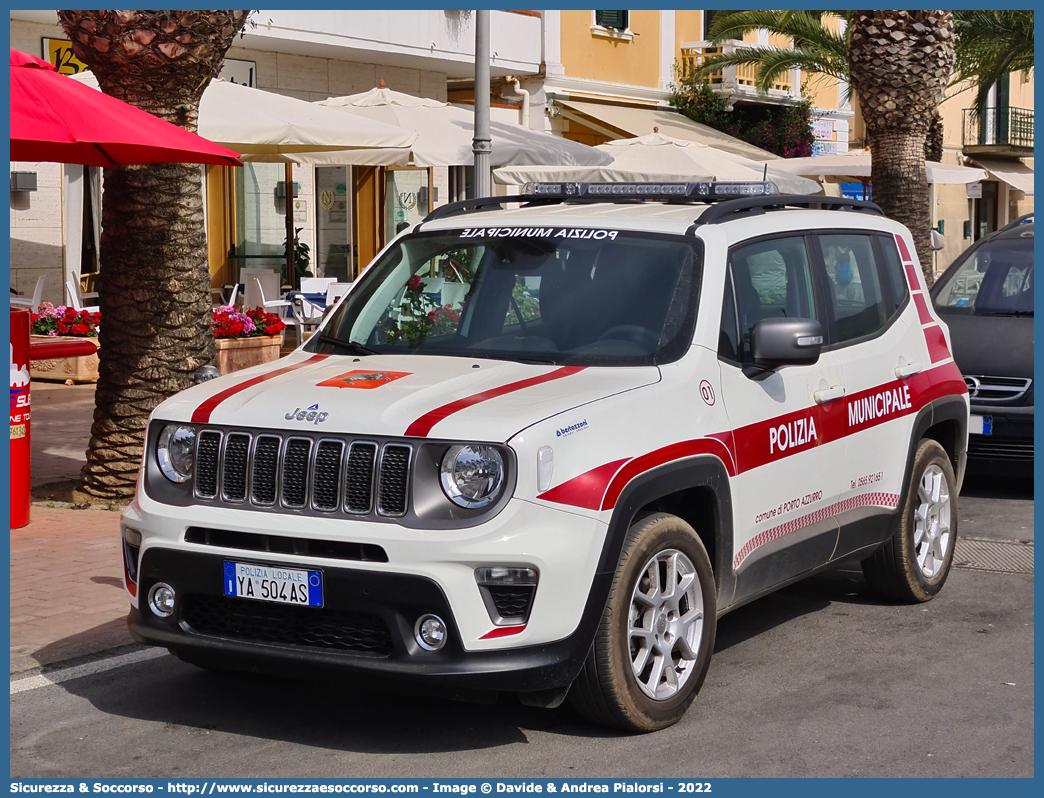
913	565
654	643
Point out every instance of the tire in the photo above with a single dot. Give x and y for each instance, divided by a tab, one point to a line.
913	564
611	689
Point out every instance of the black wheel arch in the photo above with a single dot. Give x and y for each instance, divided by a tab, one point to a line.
697	490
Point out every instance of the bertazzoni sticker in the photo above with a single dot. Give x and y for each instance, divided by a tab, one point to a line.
539	232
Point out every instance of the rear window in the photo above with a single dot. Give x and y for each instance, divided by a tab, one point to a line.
994	279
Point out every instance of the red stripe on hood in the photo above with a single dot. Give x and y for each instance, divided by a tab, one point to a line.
422	426
201	415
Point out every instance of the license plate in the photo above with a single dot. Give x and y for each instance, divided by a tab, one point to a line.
980	425
274	583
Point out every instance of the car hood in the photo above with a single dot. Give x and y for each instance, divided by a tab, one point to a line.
421	396
994	346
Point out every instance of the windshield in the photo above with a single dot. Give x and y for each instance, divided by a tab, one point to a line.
995	279
546	295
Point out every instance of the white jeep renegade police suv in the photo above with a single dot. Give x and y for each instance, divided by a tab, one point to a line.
542	448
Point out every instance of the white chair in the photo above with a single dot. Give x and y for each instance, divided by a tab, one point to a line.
281	304
269	280
76	298
316	285
306	315
335	291
34	303
231	297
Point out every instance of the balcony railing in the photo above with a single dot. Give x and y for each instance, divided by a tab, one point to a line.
998	129
739	79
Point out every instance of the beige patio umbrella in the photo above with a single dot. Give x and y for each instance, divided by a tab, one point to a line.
854	167
270	127
445	133
659	158
273	128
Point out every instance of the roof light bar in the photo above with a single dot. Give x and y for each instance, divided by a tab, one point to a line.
706	192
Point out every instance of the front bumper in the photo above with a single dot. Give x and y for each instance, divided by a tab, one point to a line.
365	628
1009	446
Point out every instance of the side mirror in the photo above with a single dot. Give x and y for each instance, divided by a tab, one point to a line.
775	343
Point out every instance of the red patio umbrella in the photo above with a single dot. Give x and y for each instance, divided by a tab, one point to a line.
57	119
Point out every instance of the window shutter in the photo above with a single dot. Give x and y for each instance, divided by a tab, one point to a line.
611	19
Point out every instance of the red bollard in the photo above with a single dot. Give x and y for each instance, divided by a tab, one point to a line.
19	418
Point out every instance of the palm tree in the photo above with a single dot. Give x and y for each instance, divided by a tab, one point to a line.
990	45
154	289
900	63
816	48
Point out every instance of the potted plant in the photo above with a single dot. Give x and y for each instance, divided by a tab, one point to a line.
246	338
51	322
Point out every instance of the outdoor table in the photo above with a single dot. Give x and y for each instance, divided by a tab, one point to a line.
319	300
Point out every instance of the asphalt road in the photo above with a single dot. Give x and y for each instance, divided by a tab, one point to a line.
816	680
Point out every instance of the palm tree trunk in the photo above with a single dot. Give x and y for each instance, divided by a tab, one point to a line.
154	295
154	283
899	64
899	175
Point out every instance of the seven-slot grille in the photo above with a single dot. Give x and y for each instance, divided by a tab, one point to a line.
996	389
298	472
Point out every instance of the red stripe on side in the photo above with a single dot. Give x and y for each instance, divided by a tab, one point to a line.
676	451
904	253
936	340
922	309
201	415
750	446
585	490
422	426
912	276
502	631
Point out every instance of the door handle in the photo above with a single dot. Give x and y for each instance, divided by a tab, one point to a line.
904	370
825	395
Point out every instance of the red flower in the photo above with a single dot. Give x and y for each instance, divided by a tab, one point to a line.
34	318
414	284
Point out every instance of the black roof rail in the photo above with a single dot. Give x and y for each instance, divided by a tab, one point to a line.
721	211
717	210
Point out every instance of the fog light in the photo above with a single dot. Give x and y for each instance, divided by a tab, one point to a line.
161	599
431	632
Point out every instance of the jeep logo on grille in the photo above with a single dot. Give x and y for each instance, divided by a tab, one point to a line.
308	414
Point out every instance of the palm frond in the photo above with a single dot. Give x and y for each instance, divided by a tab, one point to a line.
991	44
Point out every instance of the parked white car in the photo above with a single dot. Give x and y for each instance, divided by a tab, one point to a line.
542	449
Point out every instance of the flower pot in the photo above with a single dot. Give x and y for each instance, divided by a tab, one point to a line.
78	369
234	354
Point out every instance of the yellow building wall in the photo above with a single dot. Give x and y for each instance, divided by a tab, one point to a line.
635	62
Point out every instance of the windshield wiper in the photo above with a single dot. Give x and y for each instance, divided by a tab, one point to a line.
1006	313
353	347
511	357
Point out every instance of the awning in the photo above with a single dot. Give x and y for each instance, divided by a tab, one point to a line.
1015	173
626	121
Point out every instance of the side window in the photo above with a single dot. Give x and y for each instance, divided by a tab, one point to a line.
771	279
854	285
894	267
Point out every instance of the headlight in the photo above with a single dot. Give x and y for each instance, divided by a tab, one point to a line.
176	451
472	476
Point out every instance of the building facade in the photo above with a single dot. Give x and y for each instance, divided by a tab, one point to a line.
586	75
